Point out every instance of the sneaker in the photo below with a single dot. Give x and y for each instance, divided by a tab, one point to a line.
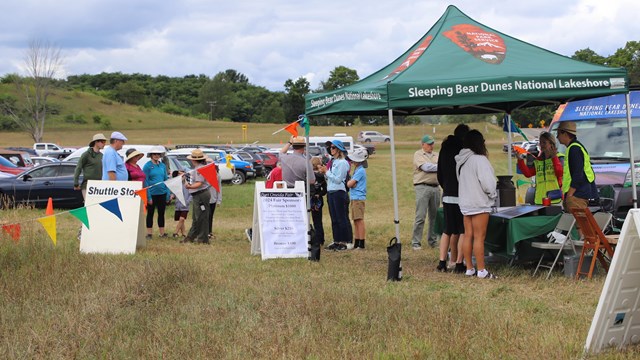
459	269
148	237
175	235
349	246
417	247
442	266
164	235
488	275
331	246
249	233
433	245
341	247
471	272
186	239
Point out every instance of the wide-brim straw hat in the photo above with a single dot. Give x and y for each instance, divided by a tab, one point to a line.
196	154
133	155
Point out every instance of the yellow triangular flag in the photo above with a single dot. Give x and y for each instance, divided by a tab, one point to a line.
49	224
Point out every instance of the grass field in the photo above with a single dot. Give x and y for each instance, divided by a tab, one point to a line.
172	300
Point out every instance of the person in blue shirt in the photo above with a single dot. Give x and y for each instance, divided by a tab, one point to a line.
113	167
358	186
337	196
158	193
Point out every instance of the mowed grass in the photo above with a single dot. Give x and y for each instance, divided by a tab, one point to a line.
172	300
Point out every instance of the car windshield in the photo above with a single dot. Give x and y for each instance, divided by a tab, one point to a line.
607	138
6	163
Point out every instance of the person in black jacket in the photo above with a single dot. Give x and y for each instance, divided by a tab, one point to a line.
317	192
453	220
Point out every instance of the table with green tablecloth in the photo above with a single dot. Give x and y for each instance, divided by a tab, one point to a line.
504	234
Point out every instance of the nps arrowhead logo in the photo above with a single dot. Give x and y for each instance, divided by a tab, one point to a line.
486	46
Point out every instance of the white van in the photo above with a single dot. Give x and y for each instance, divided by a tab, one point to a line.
322	140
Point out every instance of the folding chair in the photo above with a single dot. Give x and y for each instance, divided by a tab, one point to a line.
594	241
564	226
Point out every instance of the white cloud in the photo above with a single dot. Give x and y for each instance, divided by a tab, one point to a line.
271	41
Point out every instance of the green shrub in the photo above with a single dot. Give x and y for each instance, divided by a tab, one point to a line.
75	119
106	102
97	119
106	125
7	124
53	108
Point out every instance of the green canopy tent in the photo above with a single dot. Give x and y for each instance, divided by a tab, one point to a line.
461	66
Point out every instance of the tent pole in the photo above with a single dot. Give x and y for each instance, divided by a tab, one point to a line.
396	219
631	157
509	161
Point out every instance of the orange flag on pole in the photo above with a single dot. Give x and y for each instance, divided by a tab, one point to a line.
292	128
209	173
143	197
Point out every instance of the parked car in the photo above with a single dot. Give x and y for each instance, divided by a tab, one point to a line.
8	167
372	136
269	160
320	151
36	185
180	155
39	160
53	150
28	150
18	158
252	158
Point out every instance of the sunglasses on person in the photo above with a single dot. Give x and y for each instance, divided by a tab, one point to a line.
333	147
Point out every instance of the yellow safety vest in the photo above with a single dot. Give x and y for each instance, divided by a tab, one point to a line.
566	175
546	180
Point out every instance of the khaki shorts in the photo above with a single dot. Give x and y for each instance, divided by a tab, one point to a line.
573	202
357	209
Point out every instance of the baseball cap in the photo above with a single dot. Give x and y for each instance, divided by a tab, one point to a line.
427	139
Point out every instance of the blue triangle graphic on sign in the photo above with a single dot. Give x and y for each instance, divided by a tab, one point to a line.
113	207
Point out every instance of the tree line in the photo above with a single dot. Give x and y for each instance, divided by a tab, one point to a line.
229	95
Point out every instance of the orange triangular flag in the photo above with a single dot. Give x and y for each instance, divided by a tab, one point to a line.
49	211
143	197
209	173
49	224
292	128
13	230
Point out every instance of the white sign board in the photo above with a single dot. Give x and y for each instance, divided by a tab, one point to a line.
107	233
616	322
280	223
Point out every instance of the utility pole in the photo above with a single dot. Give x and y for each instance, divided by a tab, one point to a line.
212	104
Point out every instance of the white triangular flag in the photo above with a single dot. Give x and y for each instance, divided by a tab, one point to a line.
175	186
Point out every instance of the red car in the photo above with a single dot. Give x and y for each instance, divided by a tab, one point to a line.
269	160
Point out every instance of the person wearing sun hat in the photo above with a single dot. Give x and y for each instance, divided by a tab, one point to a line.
578	178
358	194
295	166
131	163
89	164
158	194
113	167
199	189
427	189
337	197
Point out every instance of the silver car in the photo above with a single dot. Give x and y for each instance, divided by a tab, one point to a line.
372	136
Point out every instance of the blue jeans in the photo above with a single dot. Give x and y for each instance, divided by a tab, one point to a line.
337	210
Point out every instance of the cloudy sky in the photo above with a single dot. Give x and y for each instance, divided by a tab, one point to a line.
271	41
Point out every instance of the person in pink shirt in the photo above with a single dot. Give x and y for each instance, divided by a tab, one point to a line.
131	163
